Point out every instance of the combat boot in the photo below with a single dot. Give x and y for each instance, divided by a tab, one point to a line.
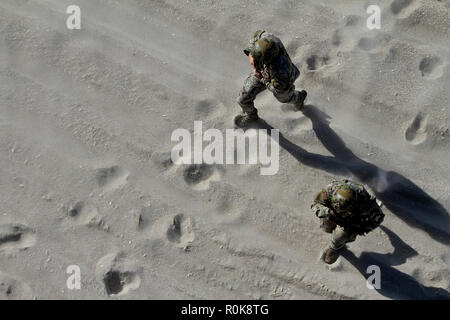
331	255
302	97
245	119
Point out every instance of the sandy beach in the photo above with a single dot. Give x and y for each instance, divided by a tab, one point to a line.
87	179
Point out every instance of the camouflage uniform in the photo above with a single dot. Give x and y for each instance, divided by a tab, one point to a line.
278	76
346	210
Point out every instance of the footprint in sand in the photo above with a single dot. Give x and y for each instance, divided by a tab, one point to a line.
111	178
162	160
118	274
394	53
150	213
227	207
14	289
143	220
207	109
352	20
431	68
323	60
176	229
200	175
336	38
175	232
398	5
16	236
416	133
341	42
314	62
86	215
367	44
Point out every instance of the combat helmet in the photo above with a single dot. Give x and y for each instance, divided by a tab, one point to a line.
265	50
343	200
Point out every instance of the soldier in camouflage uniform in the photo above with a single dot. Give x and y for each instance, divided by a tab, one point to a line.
273	70
346	210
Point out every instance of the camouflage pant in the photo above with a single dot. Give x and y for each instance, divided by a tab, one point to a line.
253	86
339	236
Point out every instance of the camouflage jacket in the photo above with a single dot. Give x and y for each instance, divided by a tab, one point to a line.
282	73
364	216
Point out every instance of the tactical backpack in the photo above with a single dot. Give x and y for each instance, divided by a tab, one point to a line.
369	214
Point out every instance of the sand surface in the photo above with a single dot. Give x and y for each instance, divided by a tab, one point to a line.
86	178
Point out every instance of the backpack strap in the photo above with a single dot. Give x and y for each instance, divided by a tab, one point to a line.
258	34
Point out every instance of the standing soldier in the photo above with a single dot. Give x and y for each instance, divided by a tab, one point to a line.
273	70
345	210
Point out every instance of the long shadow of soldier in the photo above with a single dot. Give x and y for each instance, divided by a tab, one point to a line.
400	195
394	284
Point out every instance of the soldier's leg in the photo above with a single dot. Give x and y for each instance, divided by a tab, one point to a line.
327	225
291	95
252	87
339	238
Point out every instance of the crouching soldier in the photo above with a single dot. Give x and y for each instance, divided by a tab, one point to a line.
272	70
346	210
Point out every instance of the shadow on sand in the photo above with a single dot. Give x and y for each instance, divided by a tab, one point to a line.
400	195
394	284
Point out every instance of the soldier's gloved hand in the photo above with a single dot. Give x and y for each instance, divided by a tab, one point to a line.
257	74
332	212
323	213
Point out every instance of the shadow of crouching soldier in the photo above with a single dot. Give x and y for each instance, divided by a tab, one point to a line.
394	284
399	194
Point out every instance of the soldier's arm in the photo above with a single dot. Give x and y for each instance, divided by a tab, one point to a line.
256	72
280	82
320	205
